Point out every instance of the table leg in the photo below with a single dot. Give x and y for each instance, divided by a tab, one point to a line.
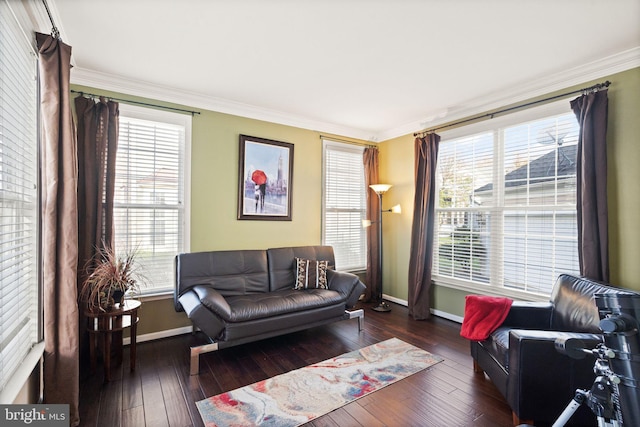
132	347
107	356
117	338
92	351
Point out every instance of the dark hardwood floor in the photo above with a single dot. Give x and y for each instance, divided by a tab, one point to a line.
161	393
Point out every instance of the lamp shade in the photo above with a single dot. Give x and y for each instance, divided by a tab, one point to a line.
396	209
380	188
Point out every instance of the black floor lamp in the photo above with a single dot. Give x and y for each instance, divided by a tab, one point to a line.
380	189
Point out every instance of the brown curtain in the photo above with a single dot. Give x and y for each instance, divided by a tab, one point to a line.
374	273
59	227
591	170
420	257
97	146
98	127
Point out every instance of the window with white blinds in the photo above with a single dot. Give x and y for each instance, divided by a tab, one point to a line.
151	191
344	204
19	271
506	211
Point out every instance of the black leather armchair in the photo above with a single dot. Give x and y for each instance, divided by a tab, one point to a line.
521	360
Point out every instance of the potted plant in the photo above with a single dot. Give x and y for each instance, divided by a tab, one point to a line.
110	279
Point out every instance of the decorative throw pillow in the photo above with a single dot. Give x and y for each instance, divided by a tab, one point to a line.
311	274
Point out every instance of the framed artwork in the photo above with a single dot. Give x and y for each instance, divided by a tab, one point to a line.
264	179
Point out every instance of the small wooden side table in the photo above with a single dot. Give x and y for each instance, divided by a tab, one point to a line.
106	327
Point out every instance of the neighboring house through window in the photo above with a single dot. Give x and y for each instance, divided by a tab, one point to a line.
506	212
150	209
344	204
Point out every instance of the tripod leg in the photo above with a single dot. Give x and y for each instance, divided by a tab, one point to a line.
571	408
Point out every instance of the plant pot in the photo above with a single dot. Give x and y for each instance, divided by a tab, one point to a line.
106	301
118	297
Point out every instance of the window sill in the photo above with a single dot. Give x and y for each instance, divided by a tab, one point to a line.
490	290
17	381
155	295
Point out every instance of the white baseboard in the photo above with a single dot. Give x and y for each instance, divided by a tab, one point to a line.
446	315
396	300
161	334
435	312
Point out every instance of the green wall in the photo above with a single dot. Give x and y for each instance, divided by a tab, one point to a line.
214	186
623	158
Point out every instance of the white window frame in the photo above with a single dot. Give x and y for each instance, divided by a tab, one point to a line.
330	145
180	119
15	375
494	287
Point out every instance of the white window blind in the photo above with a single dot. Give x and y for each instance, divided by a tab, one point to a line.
344	205
506	212
19	296
150	194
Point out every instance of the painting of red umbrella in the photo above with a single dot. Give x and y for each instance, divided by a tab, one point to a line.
259	177
265	179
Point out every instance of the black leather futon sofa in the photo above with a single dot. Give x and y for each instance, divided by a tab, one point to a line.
240	296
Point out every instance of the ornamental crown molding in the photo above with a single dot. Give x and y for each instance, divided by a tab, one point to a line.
601	68
598	69
110	82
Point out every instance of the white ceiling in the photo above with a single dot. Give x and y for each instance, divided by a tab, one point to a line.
371	69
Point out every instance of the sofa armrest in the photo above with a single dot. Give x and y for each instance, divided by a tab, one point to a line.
214	301
347	285
529	315
208	322
537	369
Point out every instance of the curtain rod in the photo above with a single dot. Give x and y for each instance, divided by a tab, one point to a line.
54	29
346	141
593	88
127	101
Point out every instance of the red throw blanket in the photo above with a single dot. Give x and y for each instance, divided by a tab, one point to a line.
483	315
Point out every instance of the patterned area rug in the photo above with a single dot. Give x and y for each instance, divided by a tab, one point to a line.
299	396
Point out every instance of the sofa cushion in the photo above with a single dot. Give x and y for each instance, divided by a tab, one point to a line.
282	263
574	306
258	306
311	274
229	272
